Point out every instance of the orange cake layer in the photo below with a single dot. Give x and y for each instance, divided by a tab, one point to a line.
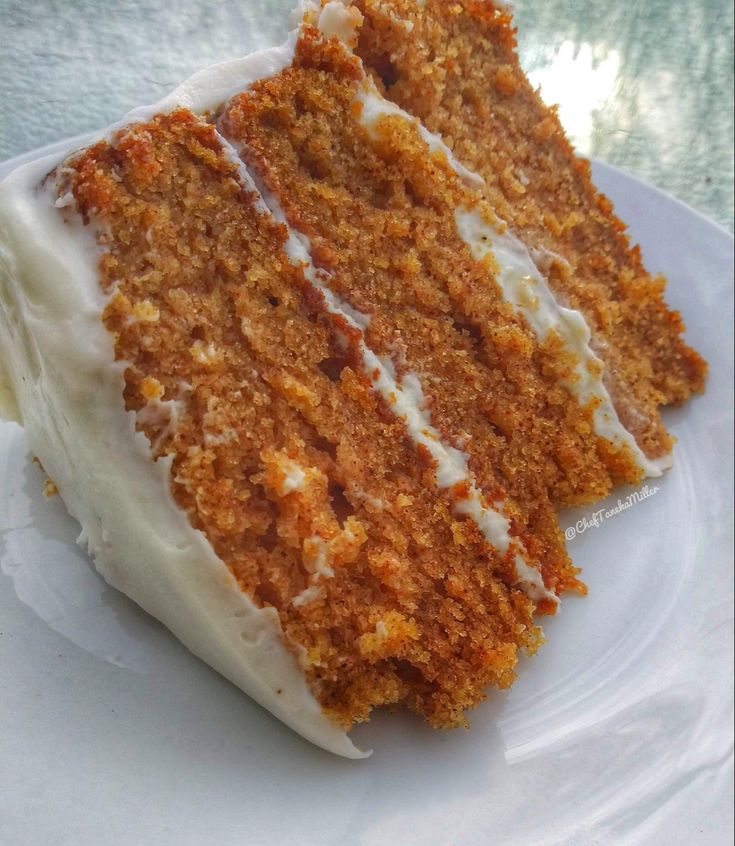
454	66
297	472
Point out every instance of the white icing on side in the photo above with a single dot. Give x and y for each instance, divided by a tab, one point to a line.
59	363
527	290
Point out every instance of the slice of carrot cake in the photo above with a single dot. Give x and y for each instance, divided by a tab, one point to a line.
311	397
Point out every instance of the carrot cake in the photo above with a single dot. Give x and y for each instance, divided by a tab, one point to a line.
314	348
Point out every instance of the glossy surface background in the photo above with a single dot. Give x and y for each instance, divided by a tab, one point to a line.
646	85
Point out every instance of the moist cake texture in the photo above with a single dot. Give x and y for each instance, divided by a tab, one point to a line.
364	368
297	474
455	67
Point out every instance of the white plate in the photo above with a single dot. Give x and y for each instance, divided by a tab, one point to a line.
619	731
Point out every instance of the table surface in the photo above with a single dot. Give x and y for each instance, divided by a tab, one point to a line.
646	85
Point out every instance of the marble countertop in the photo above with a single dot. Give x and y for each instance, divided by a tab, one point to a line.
646	85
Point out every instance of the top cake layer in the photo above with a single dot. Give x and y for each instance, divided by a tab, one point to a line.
350	391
